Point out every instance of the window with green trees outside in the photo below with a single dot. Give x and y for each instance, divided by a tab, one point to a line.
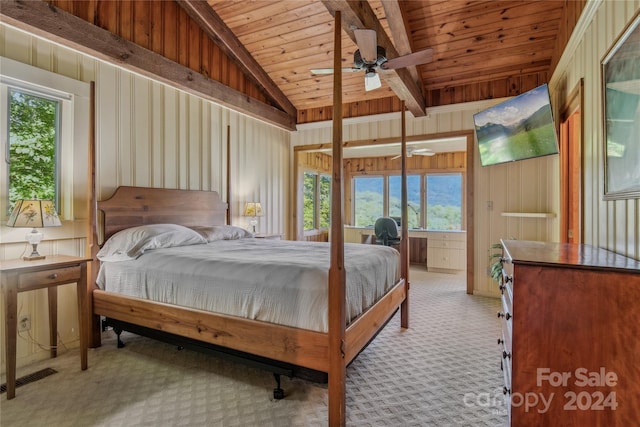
317	201
33	141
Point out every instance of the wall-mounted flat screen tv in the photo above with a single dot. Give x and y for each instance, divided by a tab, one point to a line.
517	129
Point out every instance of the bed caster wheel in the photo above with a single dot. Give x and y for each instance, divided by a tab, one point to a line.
278	393
120	343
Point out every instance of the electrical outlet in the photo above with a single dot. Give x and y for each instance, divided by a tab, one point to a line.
24	323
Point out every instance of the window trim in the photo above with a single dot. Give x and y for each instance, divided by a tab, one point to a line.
72	152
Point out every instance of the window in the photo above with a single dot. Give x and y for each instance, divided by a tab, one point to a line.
435	201
413	199
44	123
444	201
33	141
325	201
368	200
317	200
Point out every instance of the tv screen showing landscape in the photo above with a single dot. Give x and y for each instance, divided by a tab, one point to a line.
517	129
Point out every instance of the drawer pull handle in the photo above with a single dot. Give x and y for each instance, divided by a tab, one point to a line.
506	316
500	341
506	355
53	276
505	390
508	279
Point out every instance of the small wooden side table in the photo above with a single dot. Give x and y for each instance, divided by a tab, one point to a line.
51	272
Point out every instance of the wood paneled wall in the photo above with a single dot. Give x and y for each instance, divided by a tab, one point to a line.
165	28
470	92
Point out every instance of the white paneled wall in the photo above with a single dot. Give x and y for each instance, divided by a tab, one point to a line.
150	134
614	225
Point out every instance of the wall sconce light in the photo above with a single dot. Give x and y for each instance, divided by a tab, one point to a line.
254	210
34	214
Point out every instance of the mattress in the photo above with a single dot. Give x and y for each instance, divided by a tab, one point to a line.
277	281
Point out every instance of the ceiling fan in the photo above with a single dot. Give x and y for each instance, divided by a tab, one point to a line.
370	57
417	151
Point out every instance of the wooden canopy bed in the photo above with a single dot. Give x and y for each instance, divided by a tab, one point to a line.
328	352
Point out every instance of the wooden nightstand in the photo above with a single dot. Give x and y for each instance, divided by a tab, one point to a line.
268	236
51	272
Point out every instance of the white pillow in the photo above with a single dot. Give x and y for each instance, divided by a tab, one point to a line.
132	242
222	232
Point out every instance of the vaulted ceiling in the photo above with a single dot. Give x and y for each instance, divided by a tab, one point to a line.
265	49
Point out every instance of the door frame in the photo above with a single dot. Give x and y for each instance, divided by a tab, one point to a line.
574	102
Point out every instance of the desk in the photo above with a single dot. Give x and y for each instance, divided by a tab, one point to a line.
413	233
417	241
443	251
51	272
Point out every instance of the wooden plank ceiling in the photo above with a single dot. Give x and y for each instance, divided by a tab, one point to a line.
262	51
482	49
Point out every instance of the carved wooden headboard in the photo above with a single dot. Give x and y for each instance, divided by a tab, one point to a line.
133	206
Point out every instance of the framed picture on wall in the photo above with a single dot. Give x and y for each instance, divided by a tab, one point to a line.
621	97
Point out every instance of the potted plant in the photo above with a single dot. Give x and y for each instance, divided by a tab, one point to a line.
495	261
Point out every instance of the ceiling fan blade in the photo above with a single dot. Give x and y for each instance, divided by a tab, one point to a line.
367	43
320	71
416	58
426	153
372	81
420	150
396	157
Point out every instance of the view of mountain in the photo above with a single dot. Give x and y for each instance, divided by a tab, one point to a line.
537	120
443	190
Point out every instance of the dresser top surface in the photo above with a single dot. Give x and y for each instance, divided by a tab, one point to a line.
568	255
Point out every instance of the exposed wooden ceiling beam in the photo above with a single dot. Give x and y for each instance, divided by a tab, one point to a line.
59	26
209	21
396	15
358	14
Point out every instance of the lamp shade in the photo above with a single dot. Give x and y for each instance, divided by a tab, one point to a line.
34	214
252	209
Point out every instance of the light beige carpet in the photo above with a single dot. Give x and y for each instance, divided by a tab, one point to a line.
443	371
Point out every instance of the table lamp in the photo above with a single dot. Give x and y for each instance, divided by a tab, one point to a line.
34	214
253	209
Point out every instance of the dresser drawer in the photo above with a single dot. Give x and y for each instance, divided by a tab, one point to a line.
44	278
445	244
449	237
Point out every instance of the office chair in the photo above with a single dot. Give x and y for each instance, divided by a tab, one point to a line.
386	230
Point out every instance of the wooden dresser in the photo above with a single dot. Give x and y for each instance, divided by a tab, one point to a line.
570	345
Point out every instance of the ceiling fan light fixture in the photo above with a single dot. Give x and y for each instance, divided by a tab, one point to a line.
372	81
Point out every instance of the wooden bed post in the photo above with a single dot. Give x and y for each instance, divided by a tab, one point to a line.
337	278
228	175
93	322
404	243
